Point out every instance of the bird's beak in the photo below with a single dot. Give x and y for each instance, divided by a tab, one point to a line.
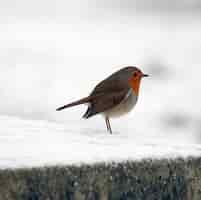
145	75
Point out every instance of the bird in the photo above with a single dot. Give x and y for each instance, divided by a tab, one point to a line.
113	97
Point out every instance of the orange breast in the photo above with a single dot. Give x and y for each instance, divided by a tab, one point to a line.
135	85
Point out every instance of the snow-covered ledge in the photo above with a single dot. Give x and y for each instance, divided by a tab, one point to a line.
34	143
43	160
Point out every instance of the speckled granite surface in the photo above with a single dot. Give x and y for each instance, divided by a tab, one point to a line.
148	179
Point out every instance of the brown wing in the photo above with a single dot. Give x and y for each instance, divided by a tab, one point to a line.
104	102
112	84
110	92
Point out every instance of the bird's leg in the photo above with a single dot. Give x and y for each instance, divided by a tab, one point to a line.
108	125
106	121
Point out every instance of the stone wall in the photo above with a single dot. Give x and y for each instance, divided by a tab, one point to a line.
148	179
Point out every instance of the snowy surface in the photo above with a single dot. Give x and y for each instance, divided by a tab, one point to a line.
28	143
49	60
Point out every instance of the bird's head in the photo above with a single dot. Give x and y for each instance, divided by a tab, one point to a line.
135	78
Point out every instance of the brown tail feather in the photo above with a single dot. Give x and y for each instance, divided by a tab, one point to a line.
75	103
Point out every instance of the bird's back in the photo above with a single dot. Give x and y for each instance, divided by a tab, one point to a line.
110	92
116	82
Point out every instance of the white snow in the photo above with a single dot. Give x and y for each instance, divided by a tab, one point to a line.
28	143
47	62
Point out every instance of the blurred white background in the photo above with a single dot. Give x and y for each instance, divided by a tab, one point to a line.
53	52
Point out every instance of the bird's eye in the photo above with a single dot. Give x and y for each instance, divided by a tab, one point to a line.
135	74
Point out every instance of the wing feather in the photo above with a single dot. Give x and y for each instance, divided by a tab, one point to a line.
105	102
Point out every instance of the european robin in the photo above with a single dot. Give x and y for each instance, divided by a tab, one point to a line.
114	96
